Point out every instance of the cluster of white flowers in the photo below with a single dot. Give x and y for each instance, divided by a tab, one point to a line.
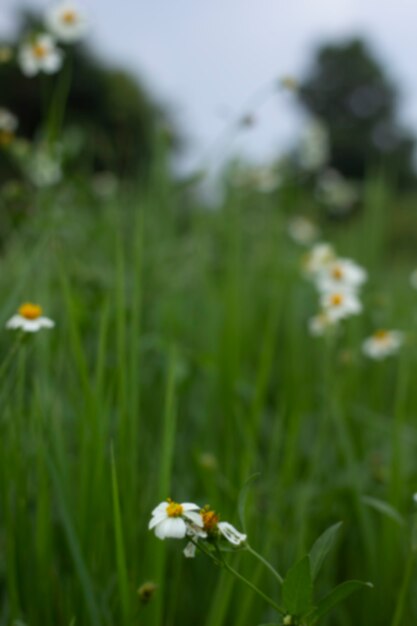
338	282
65	23
29	319
177	521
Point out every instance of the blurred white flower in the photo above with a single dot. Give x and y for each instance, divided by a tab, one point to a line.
340	304
40	55
44	167
382	343
413	279
170	519
314	146
302	230
337	193
67	22
8	125
319	324
341	273
29	318
318	258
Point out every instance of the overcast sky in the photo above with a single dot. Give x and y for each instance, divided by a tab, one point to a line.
204	58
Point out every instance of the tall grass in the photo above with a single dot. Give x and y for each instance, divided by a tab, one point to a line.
180	365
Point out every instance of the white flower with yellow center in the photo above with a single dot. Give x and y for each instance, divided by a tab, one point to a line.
29	318
339	304
341	273
302	230
170	519
383	343
320	324
67	22
318	258
40	55
8	125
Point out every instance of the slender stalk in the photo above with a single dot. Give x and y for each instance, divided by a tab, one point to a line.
260	593
266	563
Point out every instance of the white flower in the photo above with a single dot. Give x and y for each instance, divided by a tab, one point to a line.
170	519
302	230
413	278
67	22
339	304
314	147
29	318
336	192
341	273
8	125
382	343
318	258
230	533
320	324
40	55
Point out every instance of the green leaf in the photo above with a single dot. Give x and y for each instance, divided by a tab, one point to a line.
383	507
243	496
321	548
337	595
297	589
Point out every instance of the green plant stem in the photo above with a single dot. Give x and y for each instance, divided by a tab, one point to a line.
247	582
265	562
399	609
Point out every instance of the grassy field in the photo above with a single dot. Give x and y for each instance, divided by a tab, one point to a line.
180	365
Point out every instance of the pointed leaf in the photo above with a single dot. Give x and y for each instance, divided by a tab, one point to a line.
297	589
337	595
384	508
321	548
243	496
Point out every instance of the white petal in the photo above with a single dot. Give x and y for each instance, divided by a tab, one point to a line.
156	519
231	534
161	507
52	62
190	506
173	527
15	322
194	517
31	326
189	550
45	322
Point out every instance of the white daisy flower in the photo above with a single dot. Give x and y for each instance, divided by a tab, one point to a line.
302	230
67	22
318	258
319	324
29	318
339	304
8	125
383	343
170	519
40	55
341	273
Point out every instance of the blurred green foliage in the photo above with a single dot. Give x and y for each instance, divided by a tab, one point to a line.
350	90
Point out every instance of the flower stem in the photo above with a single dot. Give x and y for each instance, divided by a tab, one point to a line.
260	593
265	562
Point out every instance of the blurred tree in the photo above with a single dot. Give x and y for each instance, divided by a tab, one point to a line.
116	120
350	91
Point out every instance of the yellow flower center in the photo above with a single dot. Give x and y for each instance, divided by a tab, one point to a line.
39	51
69	17
336	299
381	335
174	509
210	520
337	273
30	311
